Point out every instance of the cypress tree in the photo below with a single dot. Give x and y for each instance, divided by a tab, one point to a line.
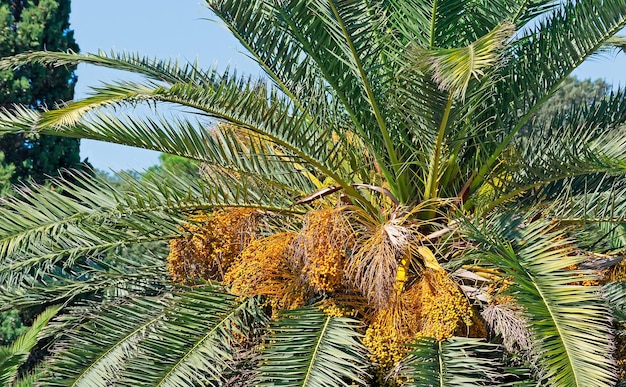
28	25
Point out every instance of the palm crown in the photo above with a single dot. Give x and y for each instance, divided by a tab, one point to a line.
378	209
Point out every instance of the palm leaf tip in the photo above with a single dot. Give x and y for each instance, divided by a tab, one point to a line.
454	68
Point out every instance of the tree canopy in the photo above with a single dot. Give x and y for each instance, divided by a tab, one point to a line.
379	209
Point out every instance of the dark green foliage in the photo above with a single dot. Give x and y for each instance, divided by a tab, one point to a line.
572	95
10	326
29	25
6	172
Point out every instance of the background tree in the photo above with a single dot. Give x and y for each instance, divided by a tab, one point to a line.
370	212
572	95
31	25
174	164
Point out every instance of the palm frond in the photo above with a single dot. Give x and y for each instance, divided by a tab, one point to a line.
615	295
597	198
550	163
251	107
72	221
248	104
428	23
331	39
570	327
227	98
13	356
308	348
458	361
28	380
93	277
168	71
264	32
543	57
169	340
549	43
529	10
453	68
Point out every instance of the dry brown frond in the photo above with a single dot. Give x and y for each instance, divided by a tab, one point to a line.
214	240
264	268
504	318
373	267
320	248
620	353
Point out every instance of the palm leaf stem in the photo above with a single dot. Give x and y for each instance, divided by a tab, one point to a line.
342	97
433	172
314	354
441	361
224	321
399	189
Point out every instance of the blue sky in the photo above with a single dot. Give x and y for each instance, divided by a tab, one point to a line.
156	28
180	29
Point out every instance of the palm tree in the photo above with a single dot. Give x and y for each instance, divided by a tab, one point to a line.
378	209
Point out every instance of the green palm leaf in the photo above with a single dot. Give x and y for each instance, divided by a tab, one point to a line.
570	326
169	340
308	348
543	56
168	71
115	274
13	356
453	68
72	221
348	33
459	361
